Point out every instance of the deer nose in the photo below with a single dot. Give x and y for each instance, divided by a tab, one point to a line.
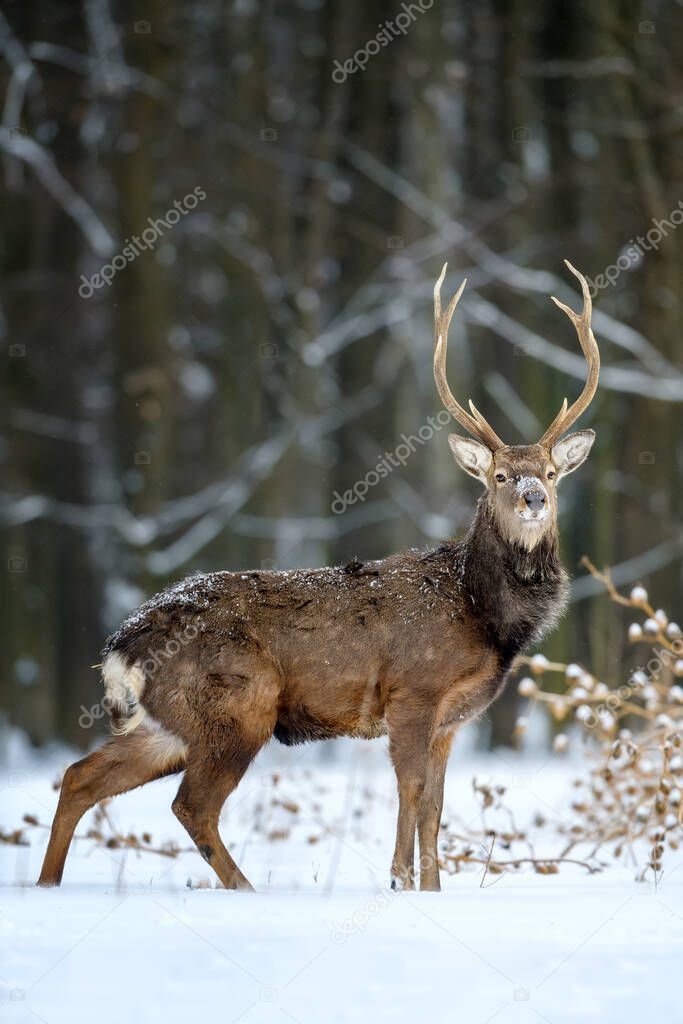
535	499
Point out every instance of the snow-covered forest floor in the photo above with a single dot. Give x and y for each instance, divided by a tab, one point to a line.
137	936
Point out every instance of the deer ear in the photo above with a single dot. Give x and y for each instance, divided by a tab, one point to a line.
572	451
472	456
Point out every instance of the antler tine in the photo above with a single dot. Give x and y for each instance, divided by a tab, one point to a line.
474	424
589	347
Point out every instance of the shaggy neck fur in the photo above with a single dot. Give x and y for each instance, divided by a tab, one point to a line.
517	594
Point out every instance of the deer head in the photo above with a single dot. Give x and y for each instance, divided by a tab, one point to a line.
520	480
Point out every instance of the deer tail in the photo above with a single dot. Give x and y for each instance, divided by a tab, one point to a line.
124	684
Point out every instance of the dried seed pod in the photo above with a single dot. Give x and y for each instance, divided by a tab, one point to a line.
661	618
635	632
560	743
526	687
639	595
638	680
558	709
607	721
651	627
539	663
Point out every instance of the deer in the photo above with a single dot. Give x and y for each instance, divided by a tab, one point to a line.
411	646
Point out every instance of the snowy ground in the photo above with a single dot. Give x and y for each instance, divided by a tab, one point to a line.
324	940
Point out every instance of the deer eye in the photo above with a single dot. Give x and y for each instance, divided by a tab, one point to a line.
501	478
551	474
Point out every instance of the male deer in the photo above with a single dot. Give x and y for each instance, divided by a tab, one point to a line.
413	646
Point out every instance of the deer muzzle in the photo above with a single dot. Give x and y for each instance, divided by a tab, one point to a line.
535	500
532	503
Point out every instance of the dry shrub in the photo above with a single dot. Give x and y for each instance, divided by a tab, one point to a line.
629	800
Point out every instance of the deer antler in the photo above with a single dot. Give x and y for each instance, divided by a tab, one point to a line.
475	423
589	346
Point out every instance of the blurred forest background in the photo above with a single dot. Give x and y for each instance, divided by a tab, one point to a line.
202	409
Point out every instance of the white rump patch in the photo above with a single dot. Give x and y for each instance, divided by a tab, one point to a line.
163	746
123	687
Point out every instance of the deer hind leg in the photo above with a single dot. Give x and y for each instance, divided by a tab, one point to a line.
234	726
429	813
124	763
205	787
208	782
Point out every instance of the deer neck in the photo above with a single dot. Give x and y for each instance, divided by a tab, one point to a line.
516	594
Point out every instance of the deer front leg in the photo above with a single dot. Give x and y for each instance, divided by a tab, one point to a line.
402	865
429	813
408	746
